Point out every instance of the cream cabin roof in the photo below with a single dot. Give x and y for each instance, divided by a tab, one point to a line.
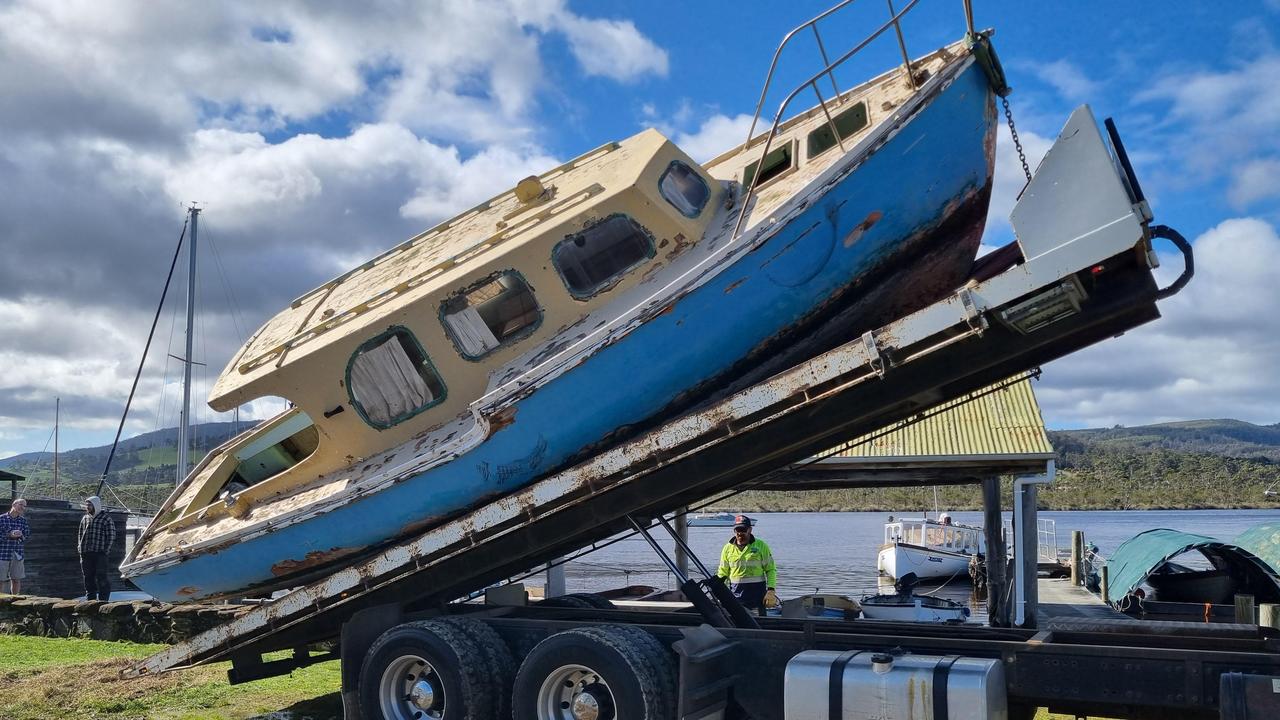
437	259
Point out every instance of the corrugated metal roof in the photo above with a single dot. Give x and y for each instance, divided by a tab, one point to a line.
1000	420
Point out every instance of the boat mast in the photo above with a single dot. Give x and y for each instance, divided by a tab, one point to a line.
184	426
57	410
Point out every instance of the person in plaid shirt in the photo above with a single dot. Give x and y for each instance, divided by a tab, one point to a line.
97	533
14	532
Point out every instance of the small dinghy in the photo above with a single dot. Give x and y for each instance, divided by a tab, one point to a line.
905	606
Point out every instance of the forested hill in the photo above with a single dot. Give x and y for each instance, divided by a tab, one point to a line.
148	460
1192	464
1230	438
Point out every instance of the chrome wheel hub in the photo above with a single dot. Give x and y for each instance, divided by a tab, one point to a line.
410	690
575	692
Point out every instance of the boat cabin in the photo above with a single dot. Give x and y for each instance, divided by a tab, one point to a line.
930	533
400	347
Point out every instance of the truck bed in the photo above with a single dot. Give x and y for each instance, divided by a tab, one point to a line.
1042	298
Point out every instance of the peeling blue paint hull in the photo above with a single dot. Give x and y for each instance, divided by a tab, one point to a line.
894	235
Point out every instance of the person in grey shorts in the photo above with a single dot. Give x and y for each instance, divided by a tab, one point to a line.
14	532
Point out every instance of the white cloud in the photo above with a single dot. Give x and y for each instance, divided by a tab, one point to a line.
1225	125
613	49
1010	179
1255	180
1212	354
1067	79
118	115
717	134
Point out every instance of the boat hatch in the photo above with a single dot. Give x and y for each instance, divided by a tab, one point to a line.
777	163
491	313
848	122
391	379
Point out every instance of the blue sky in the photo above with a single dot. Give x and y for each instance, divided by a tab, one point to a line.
316	136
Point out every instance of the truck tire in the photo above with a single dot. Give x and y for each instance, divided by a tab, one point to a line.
425	670
497	656
605	672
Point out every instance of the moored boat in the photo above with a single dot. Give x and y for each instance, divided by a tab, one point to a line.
930	548
904	605
719	519
564	315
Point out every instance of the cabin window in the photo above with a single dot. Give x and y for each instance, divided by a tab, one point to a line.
597	257
490	314
778	161
391	379
684	189
849	122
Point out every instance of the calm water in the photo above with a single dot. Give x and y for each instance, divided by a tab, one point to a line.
836	552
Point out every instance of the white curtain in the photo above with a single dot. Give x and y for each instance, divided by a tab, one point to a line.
471	331
386	382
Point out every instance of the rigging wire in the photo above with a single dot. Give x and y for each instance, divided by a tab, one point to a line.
107	468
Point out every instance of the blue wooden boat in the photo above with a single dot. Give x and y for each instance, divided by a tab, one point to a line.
559	318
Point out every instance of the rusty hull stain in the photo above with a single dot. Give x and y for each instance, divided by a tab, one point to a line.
856	233
734	285
313	560
501	419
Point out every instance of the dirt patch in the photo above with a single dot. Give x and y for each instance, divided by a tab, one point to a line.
72	687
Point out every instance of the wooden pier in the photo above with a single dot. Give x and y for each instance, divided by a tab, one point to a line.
1060	599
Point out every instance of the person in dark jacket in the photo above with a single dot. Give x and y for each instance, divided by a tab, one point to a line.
97	533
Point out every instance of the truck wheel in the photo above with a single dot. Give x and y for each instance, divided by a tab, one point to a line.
498	658
597	673
425	670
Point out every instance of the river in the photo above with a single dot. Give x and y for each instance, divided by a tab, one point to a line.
836	552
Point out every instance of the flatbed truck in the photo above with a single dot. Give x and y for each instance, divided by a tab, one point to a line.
1080	272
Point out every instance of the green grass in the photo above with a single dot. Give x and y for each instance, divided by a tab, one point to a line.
43	678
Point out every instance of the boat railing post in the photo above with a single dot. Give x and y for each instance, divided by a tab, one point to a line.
902	45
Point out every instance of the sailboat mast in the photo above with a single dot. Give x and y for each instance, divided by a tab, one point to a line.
57	412
184	426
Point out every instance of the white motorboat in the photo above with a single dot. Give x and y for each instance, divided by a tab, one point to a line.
929	548
906	606
720	519
910	607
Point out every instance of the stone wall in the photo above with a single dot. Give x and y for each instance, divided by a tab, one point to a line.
51	558
145	622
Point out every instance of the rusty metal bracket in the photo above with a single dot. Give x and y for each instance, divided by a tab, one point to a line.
874	357
972	315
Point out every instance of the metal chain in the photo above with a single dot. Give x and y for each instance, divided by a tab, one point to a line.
1008	114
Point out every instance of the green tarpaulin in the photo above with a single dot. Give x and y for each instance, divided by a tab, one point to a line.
1140	556
1264	542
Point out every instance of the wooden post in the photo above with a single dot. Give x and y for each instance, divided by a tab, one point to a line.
1077	557
1244	610
1269	615
997	606
1105	586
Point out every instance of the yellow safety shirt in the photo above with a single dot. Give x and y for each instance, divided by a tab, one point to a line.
750	563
